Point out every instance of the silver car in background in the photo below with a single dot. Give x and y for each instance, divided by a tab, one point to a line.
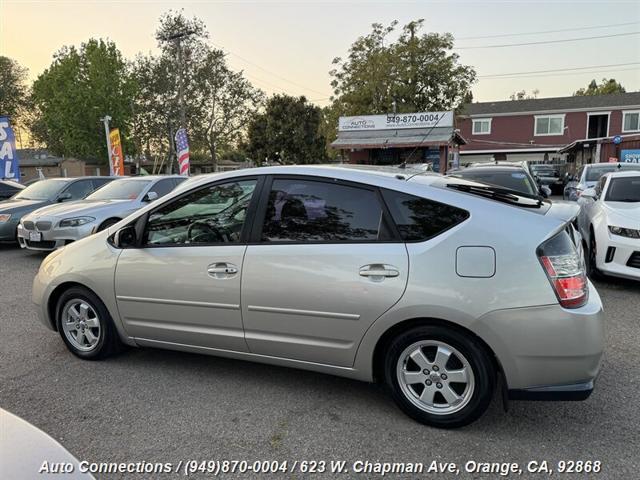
436	286
57	225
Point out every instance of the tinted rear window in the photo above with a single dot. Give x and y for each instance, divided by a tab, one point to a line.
518	181
419	219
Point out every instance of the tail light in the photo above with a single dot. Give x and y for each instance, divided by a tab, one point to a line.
565	269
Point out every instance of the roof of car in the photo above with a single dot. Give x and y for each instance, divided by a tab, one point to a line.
490	168
624	173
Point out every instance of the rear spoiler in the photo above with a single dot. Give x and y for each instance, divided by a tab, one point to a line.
563	210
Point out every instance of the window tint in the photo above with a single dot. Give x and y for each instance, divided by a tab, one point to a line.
213	214
79	189
624	189
164	186
311	211
420	219
513	180
98	182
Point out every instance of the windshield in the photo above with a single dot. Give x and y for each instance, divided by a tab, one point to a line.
518	181
43	190
594	173
625	189
120	190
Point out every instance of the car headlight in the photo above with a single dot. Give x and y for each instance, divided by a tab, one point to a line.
624	232
75	221
5	217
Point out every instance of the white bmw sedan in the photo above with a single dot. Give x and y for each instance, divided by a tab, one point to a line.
57	225
609	222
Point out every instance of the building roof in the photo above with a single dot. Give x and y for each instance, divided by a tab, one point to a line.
555	104
410	137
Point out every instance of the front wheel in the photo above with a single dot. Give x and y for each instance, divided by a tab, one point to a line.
439	376
85	325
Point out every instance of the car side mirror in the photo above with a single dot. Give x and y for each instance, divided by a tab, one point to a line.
64	197
150	197
590	193
126	237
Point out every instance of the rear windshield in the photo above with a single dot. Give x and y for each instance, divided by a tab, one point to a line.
518	181
625	189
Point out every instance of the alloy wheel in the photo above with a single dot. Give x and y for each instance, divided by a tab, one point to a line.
435	377
81	325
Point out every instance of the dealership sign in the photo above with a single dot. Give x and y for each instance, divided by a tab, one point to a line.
630	156
395	121
9	167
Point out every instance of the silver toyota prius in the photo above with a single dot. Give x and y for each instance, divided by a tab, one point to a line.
436	286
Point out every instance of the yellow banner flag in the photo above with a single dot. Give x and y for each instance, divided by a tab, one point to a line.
117	159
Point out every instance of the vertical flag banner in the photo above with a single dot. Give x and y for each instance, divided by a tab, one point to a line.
9	166
117	159
182	147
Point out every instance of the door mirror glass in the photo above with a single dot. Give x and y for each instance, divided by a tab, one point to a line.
150	197
64	197
589	193
125	237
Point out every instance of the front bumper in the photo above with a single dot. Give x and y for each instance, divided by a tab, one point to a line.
55	237
8	230
613	256
546	351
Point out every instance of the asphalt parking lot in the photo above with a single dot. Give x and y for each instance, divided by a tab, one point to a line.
156	405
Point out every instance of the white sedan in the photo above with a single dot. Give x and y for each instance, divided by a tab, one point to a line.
609	222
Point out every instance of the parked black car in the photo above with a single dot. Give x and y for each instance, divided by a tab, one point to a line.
511	177
550	175
9	188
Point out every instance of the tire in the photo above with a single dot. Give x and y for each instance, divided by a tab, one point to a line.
99	338
466	355
107	223
590	263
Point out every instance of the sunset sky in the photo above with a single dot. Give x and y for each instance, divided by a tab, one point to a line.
287	46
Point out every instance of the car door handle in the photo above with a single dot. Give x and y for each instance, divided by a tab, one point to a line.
222	270
379	270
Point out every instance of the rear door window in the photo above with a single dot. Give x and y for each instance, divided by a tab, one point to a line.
301	210
419	219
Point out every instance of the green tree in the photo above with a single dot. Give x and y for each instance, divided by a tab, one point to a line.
417	72
218	102
523	95
289	131
13	88
605	88
79	87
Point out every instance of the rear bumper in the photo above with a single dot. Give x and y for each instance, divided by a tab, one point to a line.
547	351
571	392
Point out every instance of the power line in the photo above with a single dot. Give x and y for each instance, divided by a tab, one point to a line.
269	71
566	74
470	47
495	75
547	31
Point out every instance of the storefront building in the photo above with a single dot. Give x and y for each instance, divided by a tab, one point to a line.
393	139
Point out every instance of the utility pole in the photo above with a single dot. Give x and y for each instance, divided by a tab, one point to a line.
106	119
177	38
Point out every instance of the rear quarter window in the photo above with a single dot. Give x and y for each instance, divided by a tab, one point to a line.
419	219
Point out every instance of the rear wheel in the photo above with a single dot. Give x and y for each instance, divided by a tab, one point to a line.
439	376
85	325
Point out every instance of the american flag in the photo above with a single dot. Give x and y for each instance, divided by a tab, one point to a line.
182	146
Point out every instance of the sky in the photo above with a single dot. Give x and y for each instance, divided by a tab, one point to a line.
288	46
